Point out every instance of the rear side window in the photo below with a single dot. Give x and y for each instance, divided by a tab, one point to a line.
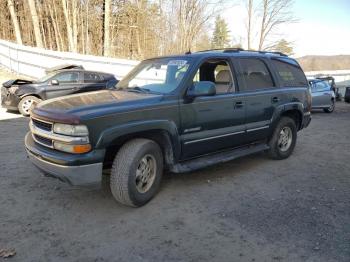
67	77
255	74
92	78
291	75
322	86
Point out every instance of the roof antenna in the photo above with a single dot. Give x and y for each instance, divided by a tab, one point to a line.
188	52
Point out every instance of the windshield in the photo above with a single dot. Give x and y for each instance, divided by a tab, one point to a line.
162	76
45	78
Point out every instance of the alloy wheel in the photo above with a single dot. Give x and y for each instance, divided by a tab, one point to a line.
146	173
285	138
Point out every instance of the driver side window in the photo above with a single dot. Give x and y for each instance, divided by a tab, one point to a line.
217	71
67	77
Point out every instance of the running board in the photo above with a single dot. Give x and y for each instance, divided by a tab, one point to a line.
221	157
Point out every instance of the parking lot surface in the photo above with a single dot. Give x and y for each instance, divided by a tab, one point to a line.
251	209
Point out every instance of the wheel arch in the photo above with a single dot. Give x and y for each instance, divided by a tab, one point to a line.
293	110
165	135
30	94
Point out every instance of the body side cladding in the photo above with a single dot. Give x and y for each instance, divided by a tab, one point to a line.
113	135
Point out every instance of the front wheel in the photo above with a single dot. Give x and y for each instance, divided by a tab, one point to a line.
330	109
283	140
136	172
26	104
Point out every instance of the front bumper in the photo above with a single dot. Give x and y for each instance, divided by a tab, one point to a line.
9	100
66	167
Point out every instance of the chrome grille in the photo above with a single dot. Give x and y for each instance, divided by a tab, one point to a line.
42	124
43	140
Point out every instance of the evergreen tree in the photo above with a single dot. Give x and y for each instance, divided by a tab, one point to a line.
221	37
283	46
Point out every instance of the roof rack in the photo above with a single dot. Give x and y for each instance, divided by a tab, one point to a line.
236	50
225	50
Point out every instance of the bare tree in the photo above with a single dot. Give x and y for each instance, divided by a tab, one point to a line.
69	26
133	29
249	25
106	27
191	17
15	21
274	13
36	25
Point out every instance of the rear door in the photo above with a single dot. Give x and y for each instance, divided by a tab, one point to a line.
92	82
213	123
261	94
67	83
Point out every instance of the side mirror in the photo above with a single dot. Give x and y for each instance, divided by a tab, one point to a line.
54	82
202	88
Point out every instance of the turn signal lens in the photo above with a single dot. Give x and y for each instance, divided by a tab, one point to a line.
75	149
80	149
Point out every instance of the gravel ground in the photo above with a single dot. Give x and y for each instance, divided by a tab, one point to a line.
251	209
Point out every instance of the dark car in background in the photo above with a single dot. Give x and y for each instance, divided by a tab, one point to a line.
323	96
331	81
347	95
21	94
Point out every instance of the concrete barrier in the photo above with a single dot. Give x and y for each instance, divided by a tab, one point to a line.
32	61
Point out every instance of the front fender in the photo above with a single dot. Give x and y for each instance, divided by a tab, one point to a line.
109	136
27	91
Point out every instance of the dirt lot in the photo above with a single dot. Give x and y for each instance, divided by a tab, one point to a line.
252	209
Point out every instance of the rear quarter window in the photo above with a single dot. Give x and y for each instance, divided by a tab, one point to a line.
290	74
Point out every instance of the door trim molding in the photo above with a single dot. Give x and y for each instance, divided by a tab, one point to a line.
257	128
213	137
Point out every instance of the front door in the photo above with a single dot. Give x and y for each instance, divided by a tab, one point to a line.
64	83
213	123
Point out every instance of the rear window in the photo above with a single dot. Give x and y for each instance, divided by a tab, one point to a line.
290	74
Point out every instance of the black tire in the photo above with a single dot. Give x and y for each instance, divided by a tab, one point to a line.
23	109
125	166
276	151
347	100
330	109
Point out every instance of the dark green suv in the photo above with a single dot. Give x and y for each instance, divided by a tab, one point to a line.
177	113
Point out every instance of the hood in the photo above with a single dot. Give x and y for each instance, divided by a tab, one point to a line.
16	82
73	108
62	67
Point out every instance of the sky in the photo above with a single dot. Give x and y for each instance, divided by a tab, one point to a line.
323	27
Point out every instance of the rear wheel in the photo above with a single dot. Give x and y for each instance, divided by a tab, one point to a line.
283	140
26	104
330	109
136	172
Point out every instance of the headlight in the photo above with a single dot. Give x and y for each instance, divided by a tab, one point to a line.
71	130
69	148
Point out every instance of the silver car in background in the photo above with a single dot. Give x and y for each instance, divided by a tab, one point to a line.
323	96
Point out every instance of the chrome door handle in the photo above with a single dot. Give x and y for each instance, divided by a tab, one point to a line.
275	99
239	104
